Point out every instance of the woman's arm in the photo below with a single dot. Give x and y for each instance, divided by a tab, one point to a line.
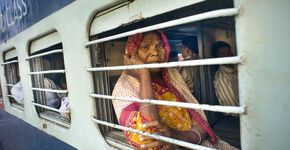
146	92
146	89
192	136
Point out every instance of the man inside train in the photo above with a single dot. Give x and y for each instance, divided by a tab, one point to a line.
226	78
189	51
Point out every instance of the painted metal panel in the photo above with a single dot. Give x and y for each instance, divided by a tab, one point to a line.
44	42
193	18
139	9
263	42
10	54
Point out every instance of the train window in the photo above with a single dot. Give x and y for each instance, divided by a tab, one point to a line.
13	79
199	35
104	83
48	79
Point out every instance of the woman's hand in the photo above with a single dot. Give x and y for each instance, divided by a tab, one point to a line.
163	130
132	59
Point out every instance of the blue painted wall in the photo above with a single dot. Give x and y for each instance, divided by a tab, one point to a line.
18	15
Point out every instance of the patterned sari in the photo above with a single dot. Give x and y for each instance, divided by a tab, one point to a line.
174	89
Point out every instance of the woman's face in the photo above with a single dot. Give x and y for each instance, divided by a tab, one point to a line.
152	50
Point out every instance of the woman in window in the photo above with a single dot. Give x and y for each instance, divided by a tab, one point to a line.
162	84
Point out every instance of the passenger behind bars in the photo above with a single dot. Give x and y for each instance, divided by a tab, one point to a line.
189	51
52	99
226	78
163	84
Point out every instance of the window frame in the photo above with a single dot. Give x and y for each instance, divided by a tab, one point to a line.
207	15
11	69
42	49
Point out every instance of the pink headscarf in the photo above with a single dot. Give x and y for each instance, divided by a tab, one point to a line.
134	43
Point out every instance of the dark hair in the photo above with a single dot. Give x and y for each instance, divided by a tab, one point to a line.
216	46
173	55
191	43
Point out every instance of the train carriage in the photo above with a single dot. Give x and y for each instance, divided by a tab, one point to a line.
74	49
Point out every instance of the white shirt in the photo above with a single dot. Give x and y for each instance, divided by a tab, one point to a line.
65	107
16	92
226	86
188	74
52	99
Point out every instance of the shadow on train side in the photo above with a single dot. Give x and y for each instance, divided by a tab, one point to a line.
17	134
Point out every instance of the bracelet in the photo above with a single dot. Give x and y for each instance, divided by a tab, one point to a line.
145	106
197	134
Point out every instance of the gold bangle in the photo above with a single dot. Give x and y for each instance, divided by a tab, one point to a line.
145	106
199	141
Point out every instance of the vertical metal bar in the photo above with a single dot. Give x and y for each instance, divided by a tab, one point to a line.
97	62
105	86
202	69
37	81
101	86
109	104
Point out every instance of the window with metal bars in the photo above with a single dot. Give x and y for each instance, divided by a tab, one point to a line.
13	79
108	48
47	73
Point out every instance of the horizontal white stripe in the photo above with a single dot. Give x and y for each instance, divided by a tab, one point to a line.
50	108
158	137
198	17
13	97
8	84
225	109
211	61
45	53
9	62
48	90
47	72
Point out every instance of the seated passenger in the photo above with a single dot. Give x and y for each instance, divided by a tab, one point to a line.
189	51
226	79
164	84
52	99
